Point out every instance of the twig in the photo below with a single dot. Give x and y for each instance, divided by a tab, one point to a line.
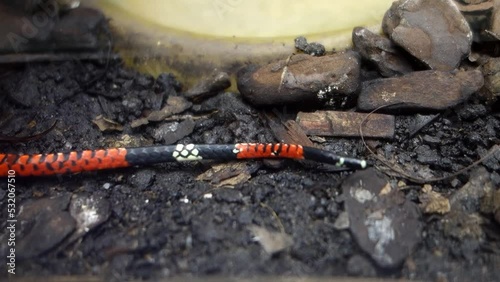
275	215
492	151
15	139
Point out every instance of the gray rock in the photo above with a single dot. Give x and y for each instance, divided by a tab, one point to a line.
384	224
433	31
468	198
426	90
44	223
170	133
301	79
380	51
313	48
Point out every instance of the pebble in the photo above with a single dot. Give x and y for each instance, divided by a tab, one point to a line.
313	48
45	223
472	112
426	155
301	79
346	124
434	32
143	179
229	196
384	224
468	198
170	133
412	91
381	52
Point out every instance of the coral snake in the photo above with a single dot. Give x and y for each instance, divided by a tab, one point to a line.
90	160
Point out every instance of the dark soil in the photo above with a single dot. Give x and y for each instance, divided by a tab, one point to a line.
162	225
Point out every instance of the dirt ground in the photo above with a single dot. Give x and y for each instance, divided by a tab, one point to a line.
162	224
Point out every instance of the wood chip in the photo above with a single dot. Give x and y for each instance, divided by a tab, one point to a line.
346	124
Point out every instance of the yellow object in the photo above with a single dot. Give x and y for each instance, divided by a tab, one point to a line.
193	37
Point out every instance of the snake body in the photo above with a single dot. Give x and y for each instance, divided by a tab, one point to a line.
91	160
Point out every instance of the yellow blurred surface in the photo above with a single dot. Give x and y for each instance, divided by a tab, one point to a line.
257	18
192	38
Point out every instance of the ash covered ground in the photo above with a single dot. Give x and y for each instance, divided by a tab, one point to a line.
157	221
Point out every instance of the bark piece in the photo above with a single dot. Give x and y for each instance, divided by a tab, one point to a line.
424	90
381	52
346	124
301	79
433	31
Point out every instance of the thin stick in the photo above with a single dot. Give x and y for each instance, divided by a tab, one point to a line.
492	151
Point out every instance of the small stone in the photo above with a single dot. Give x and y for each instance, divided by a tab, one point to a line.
301	79
342	221
433	31
468	198
208	86
384	224
431	140
346	124
380	51
423	90
313	48
418	121
472	112
44	223
143	179
426	155
228	196
170	133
